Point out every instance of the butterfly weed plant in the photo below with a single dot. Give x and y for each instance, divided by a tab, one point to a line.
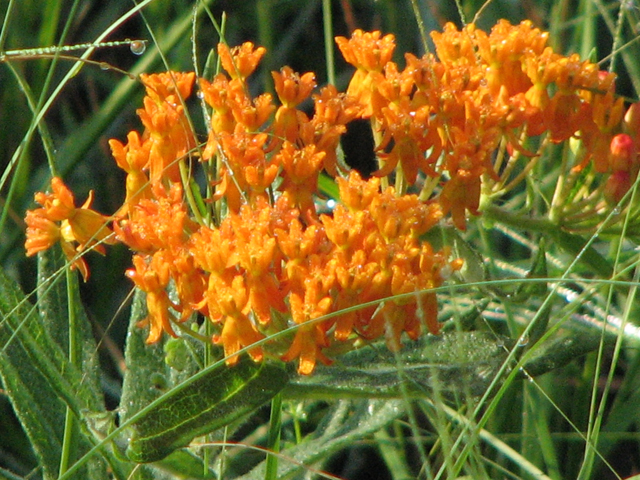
462	309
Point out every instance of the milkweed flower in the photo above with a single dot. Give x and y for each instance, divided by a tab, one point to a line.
251	251
59	221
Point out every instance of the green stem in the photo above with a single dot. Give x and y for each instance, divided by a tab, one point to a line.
70	438
519	221
328	41
275	427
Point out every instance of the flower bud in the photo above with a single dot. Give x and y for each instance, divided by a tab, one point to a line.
622	153
632	120
618	184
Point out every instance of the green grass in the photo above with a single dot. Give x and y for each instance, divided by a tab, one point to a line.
548	392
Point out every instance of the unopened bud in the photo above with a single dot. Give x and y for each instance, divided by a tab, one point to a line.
632	120
618	184
622	153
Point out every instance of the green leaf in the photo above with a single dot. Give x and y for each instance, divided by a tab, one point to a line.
30	369
575	245
209	400
34	401
40	381
53	307
565	346
453	362
147	376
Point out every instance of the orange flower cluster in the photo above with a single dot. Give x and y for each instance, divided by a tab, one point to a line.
448	117
257	257
272	254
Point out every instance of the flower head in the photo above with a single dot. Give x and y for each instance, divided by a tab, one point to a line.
76	229
240	62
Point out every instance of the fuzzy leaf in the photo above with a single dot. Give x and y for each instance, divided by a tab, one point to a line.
207	401
452	362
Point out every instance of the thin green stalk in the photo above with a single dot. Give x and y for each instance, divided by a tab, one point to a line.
617	37
328	41
273	441
264	10
587	28
71	430
596	423
5	23
530	448
394	455
460	7
501	386
527	467
421	27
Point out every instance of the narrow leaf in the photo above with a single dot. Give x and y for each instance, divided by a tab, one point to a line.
453	362
210	400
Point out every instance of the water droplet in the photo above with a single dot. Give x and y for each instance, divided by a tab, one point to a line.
200	94
523	341
104	66
138	47
616	211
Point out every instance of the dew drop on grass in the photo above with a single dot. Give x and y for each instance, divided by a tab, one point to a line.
138	47
200	94
104	66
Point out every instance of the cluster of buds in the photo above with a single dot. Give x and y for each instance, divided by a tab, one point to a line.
256	256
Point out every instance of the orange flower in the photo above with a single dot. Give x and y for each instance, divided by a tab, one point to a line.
300	181
151	275
228	301
170	138
369	54
159	223
256	254
216	95
271	251
310	300
79	229
366	50
292	90
133	159
333	111
168	86
240	62
504	51
307	345
459	194
42	233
